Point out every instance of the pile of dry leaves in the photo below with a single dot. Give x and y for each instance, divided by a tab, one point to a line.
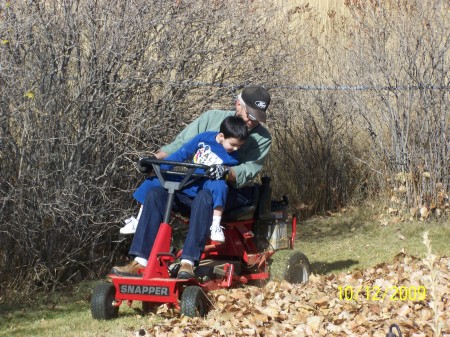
410	292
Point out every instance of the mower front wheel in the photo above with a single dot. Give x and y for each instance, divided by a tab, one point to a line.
297	268
194	302
102	302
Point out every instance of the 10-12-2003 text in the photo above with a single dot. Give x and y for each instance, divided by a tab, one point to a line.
376	293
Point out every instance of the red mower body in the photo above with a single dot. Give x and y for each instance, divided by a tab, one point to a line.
235	262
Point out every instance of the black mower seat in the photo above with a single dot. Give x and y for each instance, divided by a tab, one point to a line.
237	214
243	213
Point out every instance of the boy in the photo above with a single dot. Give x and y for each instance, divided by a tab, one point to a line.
215	149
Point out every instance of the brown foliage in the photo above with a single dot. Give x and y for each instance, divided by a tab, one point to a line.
87	88
360	303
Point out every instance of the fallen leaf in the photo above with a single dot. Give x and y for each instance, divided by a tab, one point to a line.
401	237
313	309
314	322
322	302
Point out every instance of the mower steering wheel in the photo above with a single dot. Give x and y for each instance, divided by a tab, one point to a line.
189	175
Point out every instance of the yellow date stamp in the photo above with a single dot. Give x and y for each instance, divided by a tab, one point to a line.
376	293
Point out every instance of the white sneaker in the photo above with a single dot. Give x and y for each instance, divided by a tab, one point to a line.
130	226
217	233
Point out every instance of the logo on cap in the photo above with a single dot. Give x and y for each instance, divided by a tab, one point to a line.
261	104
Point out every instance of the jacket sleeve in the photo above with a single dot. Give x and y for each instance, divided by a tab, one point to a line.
255	157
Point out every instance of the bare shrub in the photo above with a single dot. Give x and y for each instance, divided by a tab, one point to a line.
401	48
370	115
315	138
87	88
393	54
312	159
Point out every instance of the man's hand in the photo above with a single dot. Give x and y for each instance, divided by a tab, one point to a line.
218	171
145	168
161	155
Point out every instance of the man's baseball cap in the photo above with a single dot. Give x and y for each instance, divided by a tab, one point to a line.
257	100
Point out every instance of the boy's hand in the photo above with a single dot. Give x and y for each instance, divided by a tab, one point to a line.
218	171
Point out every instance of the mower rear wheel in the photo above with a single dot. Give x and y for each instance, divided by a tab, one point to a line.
194	302
297	268
102	302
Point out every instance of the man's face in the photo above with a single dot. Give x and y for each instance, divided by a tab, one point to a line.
241	111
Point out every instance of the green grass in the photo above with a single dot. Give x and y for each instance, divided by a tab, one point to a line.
353	240
67	314
357	241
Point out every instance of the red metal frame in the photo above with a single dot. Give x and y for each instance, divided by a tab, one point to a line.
158	265
293	231
155	285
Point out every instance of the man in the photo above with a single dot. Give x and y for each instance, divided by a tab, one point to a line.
251	106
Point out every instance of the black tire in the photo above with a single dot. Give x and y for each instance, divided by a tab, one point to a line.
194	302
102	300
297	268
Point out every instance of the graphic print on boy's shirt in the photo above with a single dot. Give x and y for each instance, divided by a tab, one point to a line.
204	155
